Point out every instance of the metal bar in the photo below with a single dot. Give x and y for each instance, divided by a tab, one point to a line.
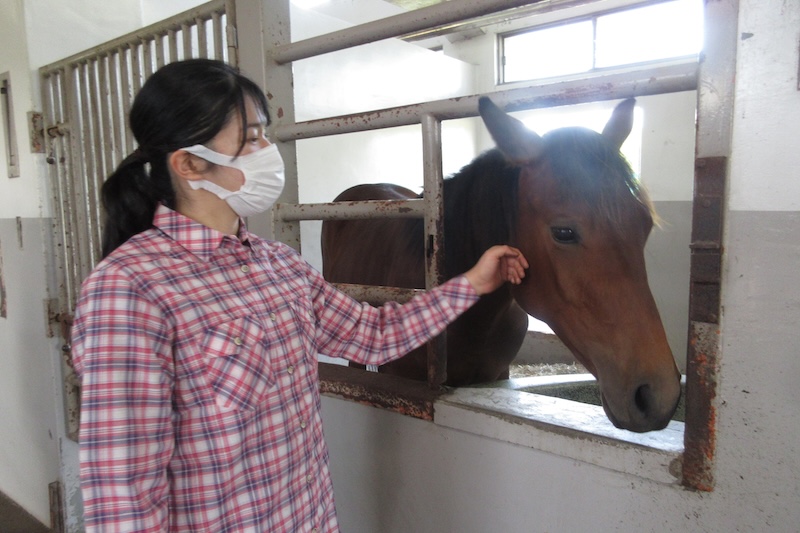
377	295
715	107
395	26
231	36
172	40
126	77
353	210
433	193
117	110
186	34
202	43
217	29
659	80
412	398
159	40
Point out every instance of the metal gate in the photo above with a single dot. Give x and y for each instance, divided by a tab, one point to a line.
86	98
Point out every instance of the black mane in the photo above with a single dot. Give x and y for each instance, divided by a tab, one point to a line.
480	209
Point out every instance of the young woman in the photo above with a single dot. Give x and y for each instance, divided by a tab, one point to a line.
196	341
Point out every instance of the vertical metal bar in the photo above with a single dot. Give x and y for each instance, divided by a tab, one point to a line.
231	35
202	42
159	40
172	40
216	31
147	57
186	33
715	95
117	110
434	235
97	148
126	85
136	68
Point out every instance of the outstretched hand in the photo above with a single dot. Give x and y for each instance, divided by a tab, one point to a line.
497	265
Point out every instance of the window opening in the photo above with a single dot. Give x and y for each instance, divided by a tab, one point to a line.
9	132
661	31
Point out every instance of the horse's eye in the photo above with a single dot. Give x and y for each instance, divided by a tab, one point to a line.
564	235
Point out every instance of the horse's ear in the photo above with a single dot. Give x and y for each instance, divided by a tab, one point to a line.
621	122
517	142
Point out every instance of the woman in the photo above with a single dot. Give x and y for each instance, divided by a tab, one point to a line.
196	341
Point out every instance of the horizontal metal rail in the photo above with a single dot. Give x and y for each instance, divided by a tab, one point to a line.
398	25
377	295
658	80
355	210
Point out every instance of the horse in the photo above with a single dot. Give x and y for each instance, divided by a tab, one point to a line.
571	203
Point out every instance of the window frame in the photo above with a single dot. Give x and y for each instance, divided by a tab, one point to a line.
593	17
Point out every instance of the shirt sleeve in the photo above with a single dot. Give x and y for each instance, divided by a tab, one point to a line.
121	351
376	335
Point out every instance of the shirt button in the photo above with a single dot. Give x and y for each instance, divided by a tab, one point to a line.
303	424
273	317
290	370
237	341
315	530
309	479
245	269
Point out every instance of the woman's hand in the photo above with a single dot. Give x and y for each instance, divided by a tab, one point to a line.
497	265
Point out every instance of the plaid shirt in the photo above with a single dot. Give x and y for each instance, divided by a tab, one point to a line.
200	398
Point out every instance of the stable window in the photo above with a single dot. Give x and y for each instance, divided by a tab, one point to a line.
662	31
9	133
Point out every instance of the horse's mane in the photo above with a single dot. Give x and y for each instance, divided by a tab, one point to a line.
480	209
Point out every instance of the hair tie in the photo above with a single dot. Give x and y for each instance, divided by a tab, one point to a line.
139	155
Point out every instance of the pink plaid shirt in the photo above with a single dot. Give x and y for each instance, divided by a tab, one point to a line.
200	398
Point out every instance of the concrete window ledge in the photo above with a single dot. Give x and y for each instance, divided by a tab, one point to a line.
563	427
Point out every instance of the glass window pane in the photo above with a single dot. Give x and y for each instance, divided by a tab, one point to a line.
661	31
550	52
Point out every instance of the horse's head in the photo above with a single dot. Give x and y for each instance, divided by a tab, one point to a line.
582	223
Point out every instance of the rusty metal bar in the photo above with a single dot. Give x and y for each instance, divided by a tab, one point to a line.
417	20
659	80
377	295
380	390
715	99
433	193
353	210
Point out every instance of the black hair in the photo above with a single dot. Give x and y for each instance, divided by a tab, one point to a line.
182	104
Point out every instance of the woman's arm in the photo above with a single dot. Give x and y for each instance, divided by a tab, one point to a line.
367	335
120	347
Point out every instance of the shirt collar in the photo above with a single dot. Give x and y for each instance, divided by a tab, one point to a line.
196	238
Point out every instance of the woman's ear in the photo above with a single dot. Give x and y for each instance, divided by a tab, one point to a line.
185	166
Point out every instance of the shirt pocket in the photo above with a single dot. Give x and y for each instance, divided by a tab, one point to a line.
238	364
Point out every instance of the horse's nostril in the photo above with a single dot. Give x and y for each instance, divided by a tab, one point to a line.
643	398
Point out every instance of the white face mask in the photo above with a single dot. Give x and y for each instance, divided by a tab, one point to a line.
263	178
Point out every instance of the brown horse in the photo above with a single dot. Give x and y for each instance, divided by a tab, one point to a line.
571	203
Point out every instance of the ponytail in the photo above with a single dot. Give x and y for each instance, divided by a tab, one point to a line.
130	197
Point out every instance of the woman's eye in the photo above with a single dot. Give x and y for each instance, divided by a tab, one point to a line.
564	235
